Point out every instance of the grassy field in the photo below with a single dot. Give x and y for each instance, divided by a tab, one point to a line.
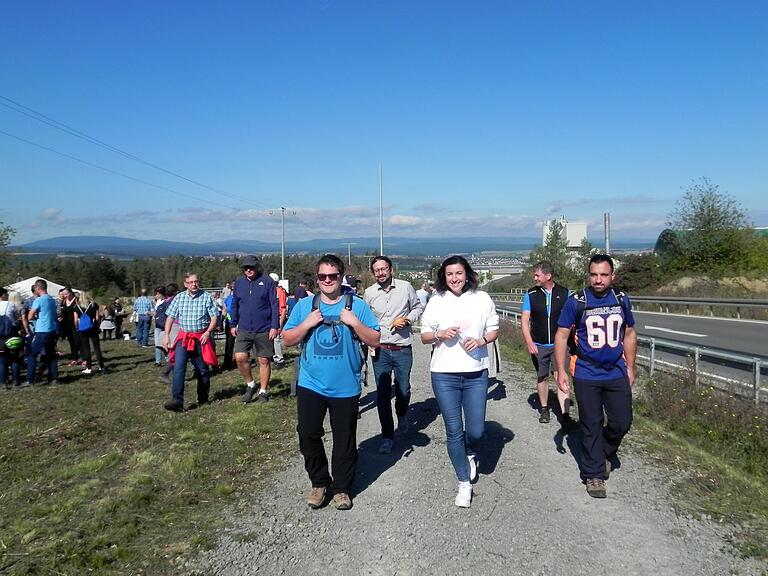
714	444
96	477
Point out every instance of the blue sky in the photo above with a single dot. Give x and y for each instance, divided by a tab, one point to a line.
487	117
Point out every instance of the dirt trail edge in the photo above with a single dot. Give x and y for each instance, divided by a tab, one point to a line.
530	514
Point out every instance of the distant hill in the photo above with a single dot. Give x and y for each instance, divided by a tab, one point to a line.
132	248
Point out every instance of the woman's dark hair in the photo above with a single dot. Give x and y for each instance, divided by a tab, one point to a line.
473	281
160	290
171	290
332	261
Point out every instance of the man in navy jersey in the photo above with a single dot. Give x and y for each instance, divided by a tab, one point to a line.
603	371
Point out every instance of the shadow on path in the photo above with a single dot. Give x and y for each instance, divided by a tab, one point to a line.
496	437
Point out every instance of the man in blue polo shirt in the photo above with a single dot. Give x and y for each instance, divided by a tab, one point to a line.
43	312
604	370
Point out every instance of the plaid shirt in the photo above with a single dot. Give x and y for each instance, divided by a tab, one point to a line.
142	306
193	313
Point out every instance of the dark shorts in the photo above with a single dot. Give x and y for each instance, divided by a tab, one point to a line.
259	342
544	361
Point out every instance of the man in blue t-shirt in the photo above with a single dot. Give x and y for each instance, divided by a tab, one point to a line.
43	310
603	371
329	380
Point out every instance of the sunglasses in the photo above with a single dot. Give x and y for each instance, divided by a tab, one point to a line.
332	277
248	268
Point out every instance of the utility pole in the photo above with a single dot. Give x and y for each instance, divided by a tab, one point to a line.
282	243
349	251
607	231
381	212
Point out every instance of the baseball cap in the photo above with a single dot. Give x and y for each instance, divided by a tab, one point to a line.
274	277
249	261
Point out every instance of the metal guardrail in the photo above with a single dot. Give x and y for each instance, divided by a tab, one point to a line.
695	353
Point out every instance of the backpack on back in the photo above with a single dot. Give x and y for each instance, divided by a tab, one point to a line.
348	299
86	322
6	324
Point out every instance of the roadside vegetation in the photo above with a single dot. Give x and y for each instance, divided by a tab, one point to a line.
714	444
95	477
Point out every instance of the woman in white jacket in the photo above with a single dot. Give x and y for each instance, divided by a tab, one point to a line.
460	321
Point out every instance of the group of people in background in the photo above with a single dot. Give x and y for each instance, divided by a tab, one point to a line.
335	330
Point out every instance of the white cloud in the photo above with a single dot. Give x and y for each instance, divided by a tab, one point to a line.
51	214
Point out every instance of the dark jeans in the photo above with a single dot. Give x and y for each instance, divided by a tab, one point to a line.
384	363
43	343
312	408
180	372
73	338
600	442
142	330
14	359
229	349
86	338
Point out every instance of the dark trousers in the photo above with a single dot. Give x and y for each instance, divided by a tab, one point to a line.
385	362
43	343
600	442
181	355
228	362
86	338
73	338
312	408
10	358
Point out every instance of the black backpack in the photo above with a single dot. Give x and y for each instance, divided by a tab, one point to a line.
6	324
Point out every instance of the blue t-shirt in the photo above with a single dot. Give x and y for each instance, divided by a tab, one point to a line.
46	314
330	359
599	335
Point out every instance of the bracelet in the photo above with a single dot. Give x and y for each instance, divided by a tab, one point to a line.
485	340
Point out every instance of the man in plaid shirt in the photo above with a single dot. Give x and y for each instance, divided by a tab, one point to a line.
196	313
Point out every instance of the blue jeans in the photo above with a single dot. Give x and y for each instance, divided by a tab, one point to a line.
384	363
181	355
455	392
142	330
45	343
159	352
13	358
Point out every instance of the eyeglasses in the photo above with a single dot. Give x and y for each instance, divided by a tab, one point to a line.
332	277
248	268
380	270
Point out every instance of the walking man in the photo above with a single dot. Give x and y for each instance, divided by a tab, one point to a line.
396	306
43	310
196	313
329	381
540	310
254	323
143	309
604	373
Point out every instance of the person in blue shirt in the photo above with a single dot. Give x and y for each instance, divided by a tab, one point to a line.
603	368
43	310
329	381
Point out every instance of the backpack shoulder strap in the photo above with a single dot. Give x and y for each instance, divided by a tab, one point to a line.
349	298
316	302
581	305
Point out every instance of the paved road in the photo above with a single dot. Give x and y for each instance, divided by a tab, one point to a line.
530	515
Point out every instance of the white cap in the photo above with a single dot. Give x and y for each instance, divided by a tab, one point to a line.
274	277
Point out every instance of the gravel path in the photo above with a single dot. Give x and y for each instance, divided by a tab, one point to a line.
530	514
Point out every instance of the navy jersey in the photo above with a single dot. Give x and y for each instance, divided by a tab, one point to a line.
599	334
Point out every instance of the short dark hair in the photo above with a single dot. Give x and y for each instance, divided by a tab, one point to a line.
160	290
3	291
171	289
383	259
600	258
473	281
331	260
545	267
41	284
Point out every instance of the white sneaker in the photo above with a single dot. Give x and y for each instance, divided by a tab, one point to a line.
472	467
87	371
464	496
386	446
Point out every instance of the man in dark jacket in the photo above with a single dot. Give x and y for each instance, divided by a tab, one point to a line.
540	310
254	324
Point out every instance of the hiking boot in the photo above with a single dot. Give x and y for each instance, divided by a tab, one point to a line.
544	416
250	392
262	397
402	425
341	501
174	406
464	495
386	446
596	487
165	379
472	468
316	497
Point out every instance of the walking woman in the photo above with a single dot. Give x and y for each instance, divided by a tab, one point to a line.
460	321
87	321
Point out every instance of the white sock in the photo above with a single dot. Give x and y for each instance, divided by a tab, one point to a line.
251	384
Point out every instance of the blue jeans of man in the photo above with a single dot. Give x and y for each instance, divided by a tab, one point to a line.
462	393
142	330
181	355
43	343
601	442
385	362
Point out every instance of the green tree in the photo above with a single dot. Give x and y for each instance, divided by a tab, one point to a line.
713	230
6	233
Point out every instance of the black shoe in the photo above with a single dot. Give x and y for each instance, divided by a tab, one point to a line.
250	392
262	397
544	416
174	406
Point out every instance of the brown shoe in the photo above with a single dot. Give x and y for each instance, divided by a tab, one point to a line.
341	501
316	497
596	487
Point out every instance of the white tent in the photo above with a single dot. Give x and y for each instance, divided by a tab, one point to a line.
24	287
